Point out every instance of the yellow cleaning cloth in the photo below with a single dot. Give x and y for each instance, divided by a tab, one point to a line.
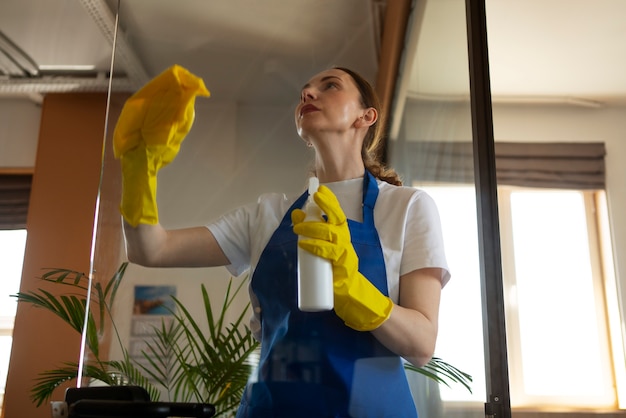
148	134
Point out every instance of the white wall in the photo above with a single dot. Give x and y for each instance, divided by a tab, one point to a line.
19	131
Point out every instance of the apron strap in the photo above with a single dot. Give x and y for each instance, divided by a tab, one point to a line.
370	194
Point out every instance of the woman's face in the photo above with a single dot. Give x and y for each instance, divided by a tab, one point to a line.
330	103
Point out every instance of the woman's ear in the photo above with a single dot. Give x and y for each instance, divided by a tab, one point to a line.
369	117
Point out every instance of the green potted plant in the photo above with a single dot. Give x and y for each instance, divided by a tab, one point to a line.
180	361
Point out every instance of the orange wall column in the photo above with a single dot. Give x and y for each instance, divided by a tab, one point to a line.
60	228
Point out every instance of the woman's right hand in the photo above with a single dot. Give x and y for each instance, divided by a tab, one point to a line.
148	135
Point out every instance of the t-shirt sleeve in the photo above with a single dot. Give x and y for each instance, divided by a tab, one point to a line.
244	232
232	233
423	239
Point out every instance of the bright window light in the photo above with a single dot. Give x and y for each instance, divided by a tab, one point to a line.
555	298
561	334
460	338
12	244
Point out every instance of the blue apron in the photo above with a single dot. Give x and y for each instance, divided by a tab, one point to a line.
312	365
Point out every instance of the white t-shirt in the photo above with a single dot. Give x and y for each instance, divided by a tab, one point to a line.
407	221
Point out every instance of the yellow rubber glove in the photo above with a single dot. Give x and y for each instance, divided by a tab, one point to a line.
357	301
153	123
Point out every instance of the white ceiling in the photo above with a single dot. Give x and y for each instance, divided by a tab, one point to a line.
262	51
571	51
246	50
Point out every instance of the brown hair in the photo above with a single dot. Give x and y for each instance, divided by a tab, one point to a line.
370	152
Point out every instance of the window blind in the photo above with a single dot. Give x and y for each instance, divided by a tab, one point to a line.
14	200
578	166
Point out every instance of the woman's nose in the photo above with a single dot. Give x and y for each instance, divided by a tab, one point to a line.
306	94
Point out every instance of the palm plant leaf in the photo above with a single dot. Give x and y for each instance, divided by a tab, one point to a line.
163	365
130	374
48	301
49	380
103	297
112	286
70	308
215	365
65	276
443	373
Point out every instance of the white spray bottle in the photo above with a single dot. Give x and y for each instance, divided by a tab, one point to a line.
315	274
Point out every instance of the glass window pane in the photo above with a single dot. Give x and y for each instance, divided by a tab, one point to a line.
12	244
556	299
432	149
460	313
244	143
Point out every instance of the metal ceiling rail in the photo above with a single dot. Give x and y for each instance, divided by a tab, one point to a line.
41	83
124	53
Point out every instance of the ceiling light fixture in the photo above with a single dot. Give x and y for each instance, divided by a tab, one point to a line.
67	68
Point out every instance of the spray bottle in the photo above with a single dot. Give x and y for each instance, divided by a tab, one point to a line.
315	274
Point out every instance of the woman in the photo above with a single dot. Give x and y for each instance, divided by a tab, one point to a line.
384	242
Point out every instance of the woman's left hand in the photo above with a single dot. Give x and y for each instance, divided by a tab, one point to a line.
357	301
